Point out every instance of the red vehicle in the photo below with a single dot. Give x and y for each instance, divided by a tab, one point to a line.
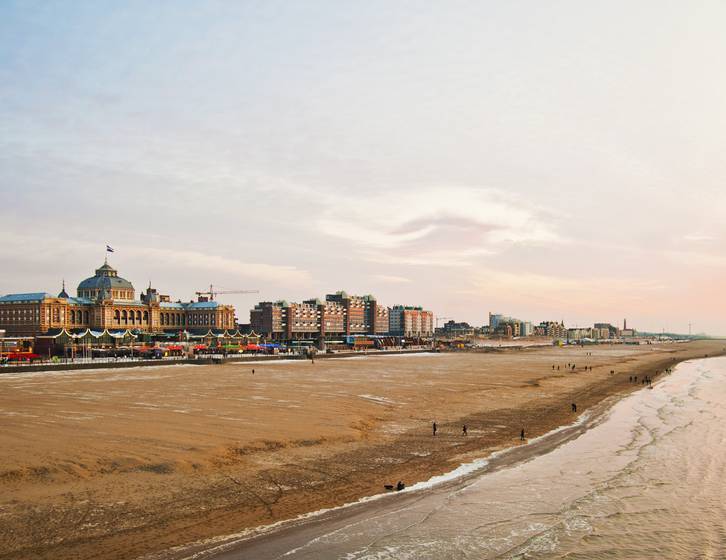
22	357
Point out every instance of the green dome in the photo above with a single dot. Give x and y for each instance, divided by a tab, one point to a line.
105	280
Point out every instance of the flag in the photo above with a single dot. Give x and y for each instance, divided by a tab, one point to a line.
109	249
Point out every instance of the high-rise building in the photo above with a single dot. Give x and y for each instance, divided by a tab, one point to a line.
339	315
411	321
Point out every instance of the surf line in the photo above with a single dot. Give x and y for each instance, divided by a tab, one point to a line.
222	543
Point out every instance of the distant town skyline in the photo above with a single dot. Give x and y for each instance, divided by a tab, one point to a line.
464	157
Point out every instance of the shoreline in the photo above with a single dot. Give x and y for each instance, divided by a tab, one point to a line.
219	547
163	505
259	543
255	541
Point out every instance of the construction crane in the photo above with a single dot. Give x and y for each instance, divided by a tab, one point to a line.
212	292
433	342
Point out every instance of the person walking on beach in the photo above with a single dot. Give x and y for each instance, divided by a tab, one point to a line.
521	435
433	428
574	407
253	371
464	430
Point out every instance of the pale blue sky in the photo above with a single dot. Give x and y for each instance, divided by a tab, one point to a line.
548	160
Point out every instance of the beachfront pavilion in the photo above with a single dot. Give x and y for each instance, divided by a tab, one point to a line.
64	342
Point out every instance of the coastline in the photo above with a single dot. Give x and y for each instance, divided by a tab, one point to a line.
169	512
261	542
306	533
255	541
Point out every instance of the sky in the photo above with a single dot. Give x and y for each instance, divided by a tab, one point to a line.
559	160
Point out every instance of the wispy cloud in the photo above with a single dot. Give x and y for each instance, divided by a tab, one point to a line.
598	292
435	225
391	279
183	261
696	259
698	237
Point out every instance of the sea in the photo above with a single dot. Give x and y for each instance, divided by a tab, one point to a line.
646	481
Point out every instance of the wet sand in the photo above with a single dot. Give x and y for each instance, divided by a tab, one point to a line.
122	464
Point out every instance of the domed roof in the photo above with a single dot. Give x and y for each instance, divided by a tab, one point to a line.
106	278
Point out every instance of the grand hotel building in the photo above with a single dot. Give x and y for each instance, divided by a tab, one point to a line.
107	301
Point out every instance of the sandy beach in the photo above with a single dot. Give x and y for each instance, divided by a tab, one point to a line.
126	464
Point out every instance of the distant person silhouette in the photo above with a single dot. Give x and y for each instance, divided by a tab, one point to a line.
464	430
521	435
574	407
434	428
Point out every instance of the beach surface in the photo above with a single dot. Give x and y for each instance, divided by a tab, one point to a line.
145	462
636	477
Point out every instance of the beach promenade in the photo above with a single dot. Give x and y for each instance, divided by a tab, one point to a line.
132	463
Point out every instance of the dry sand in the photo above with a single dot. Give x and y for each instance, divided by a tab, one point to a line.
125	463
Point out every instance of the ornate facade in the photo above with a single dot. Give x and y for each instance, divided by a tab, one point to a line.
107	301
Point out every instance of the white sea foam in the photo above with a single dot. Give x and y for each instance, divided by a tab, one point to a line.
217	545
